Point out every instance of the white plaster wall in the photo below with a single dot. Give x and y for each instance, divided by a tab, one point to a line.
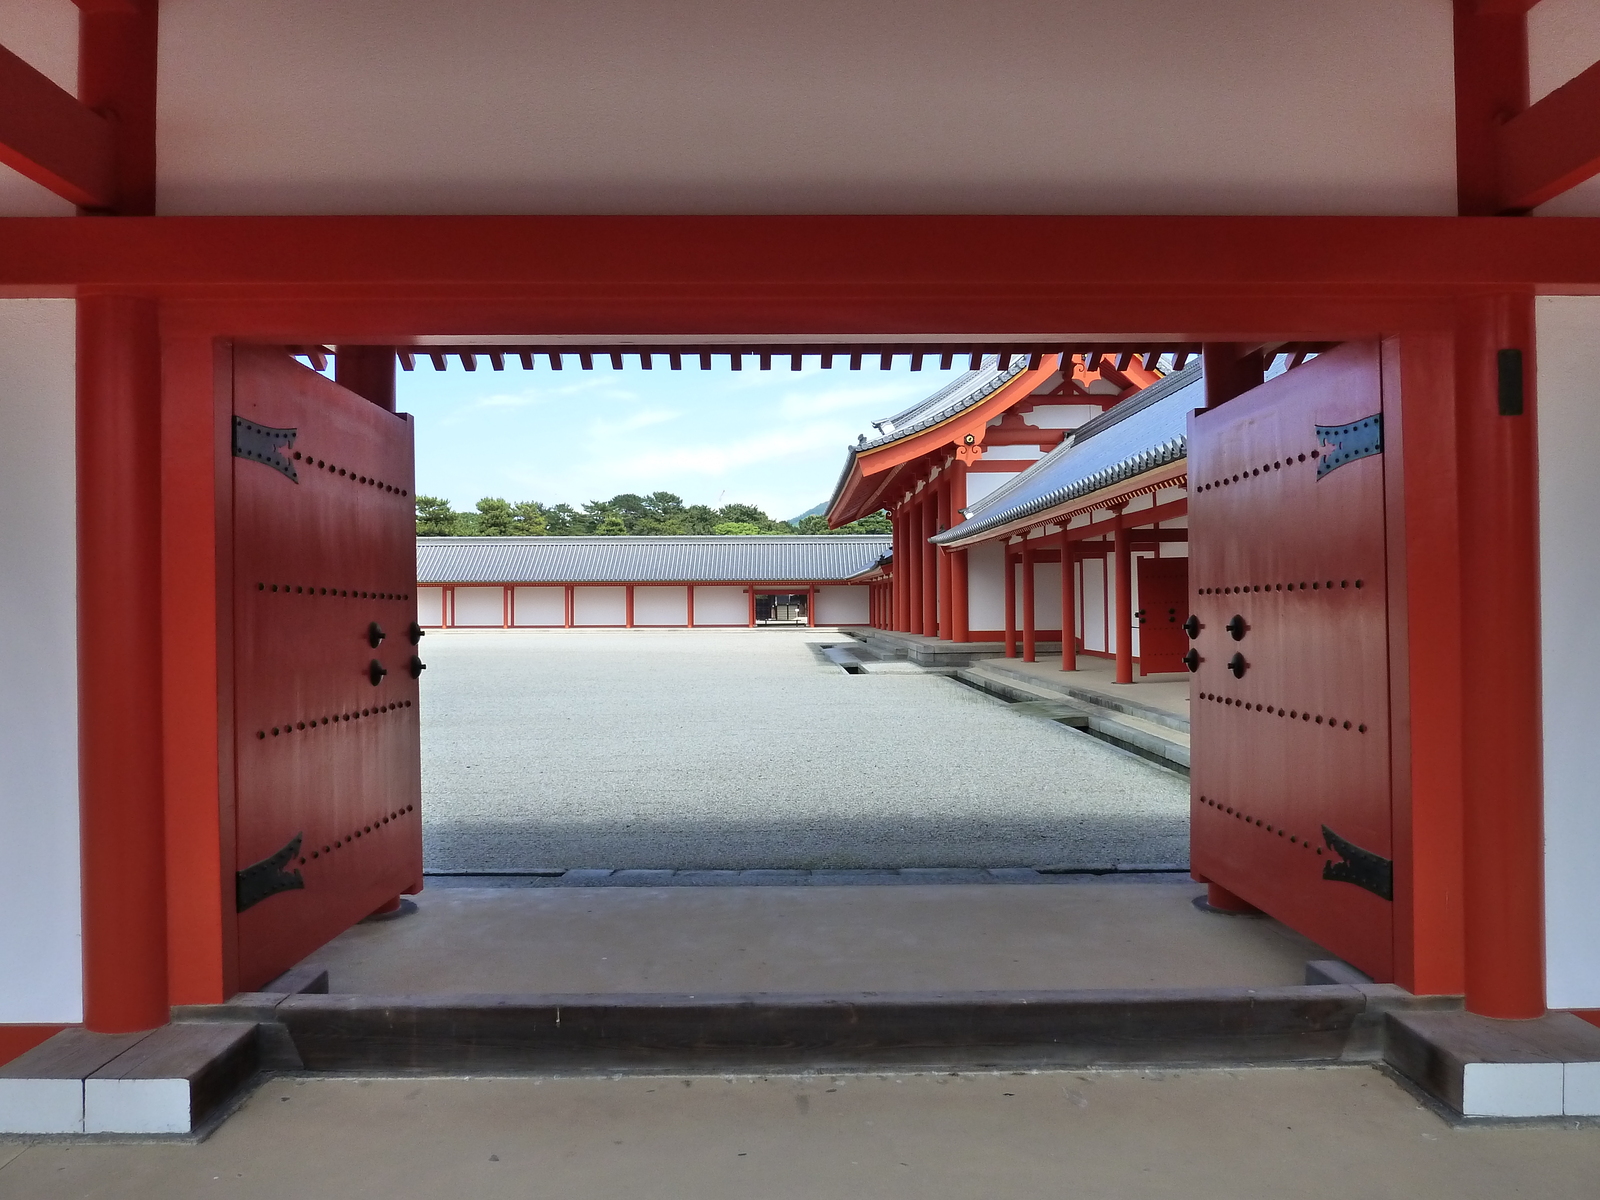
480	606
41	943
599	605
1568	330
661	605
539	606
430	606
845	604
719	605
733	106
986	584
1046	597
1094	605
980	484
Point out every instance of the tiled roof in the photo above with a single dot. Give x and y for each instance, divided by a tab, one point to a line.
752	559
967	391
1145	431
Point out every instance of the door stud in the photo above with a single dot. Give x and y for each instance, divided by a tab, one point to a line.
1237	628
375	672
375	634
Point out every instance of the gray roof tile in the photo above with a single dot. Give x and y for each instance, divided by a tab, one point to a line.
1145	431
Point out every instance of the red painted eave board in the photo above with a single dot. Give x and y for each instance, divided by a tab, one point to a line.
857	256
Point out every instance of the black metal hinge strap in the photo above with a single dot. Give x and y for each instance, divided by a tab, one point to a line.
1359	439
1360	867
260	443
268	877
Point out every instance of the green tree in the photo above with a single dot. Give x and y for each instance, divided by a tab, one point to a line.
559	519
496	518
877	522
611	525
529	519
699	519
435	518
812	524
736	529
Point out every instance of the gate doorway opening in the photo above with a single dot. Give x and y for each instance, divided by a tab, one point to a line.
783	608
1162	583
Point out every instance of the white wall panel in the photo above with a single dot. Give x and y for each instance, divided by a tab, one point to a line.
599	605
847	604
539	606
721	606
1046	596
746	106
1094	604
41	946
986	582
480	606
1569	567
661	605
430	606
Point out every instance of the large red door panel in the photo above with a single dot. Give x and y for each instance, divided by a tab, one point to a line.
1290	768
1163	608
328	752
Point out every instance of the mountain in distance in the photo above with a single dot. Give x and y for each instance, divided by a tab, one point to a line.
818	511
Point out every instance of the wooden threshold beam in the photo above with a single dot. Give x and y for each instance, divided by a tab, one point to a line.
47	135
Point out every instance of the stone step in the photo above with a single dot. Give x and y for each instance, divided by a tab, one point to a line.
857	1031
1481	1067
1149	739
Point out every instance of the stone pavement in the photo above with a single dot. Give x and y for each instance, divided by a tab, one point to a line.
1264	1134
743	749
813	939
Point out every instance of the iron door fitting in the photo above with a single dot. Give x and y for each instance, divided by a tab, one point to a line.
1238	666
375	634
1193	627
375	672
1237	628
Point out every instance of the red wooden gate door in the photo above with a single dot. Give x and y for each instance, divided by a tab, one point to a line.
327	754
1163	608
1290	695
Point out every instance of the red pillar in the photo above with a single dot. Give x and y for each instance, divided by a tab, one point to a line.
1029	622
121	782
689	605
946	572
628	606
751	590
1069	615
958	596
1010	601
1122	554
571	606
899	584
958	567
811	606
930	564
914	548
1501	724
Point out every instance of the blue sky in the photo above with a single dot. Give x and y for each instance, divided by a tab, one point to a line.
773	438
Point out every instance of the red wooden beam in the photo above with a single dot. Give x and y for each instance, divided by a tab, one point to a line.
907	263
117	79
47	135
1552	146
1491	69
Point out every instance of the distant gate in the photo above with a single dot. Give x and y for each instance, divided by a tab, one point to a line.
1290	770
1163	607
327	749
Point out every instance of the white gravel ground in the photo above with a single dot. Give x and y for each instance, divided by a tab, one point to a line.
739	749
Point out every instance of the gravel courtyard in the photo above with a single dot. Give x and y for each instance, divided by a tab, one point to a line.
739	749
